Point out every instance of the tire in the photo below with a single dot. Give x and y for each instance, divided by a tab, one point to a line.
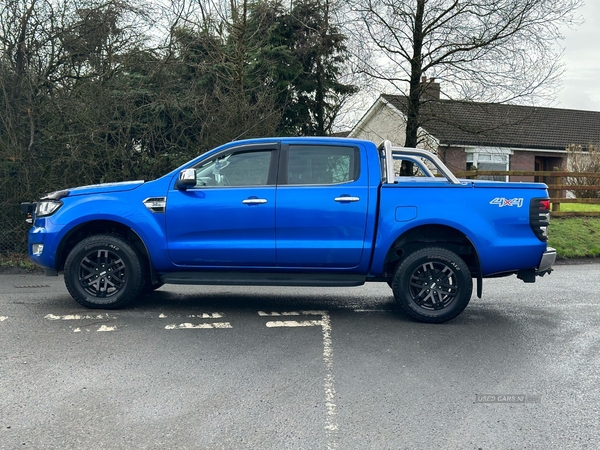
104	271
433	285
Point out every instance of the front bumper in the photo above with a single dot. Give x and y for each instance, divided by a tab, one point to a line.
42	243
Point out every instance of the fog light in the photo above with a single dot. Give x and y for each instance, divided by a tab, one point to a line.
38	249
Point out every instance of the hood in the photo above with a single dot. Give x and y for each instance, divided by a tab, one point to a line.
95	189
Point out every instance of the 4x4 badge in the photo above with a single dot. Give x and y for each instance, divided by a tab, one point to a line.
502	202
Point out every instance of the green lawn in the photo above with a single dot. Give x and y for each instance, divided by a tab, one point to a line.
576	237
579	207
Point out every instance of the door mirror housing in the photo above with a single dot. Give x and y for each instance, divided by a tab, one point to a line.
187	179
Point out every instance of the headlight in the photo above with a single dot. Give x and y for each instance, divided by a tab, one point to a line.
47	208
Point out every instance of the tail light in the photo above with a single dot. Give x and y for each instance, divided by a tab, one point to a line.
539	217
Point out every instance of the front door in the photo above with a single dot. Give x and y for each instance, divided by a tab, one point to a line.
228	218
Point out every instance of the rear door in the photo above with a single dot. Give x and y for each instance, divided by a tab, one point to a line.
322	201
228	218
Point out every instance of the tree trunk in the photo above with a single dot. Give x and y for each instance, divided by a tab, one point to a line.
414	95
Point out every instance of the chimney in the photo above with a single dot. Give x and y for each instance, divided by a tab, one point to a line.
430	90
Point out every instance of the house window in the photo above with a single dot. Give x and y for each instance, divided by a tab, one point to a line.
489	159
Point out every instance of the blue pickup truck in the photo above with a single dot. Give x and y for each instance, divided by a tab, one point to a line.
296	212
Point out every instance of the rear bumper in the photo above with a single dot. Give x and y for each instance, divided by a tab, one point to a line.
547	261
544	267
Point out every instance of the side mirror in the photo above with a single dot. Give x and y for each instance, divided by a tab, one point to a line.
187	179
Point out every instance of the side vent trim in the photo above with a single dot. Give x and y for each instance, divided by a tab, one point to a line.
156	204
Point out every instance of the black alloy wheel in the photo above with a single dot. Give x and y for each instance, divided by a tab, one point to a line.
104	271
433	285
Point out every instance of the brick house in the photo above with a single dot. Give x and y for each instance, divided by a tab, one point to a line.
486	136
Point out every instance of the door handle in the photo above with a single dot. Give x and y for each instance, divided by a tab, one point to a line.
254	201
346	199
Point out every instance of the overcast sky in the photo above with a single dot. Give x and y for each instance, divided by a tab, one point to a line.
581	81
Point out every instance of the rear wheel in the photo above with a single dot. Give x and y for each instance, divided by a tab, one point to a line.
433	285
104	271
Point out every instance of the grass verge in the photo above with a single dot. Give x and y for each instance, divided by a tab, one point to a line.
575	237
17	262
579	207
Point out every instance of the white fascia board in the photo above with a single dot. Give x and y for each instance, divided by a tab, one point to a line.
427	135
376	107
366	117
396	110
472	148
423	134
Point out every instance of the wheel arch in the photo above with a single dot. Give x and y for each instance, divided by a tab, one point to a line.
441	236
96	227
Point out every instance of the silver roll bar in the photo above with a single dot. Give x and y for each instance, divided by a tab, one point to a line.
388	152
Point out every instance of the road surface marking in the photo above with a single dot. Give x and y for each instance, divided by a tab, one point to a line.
26	286
215	315
291	313
199	326
331	425
294	323
190	326
3	318
77	317
78	329
207	316
101	328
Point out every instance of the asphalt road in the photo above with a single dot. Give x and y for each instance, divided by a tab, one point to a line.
276	368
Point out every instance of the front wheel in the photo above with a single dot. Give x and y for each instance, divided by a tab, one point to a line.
104	271
433	285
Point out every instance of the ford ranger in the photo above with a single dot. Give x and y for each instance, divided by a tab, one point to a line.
296	212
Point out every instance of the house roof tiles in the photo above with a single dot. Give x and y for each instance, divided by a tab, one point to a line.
462	123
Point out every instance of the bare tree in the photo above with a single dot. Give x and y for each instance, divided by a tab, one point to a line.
491	50
584	159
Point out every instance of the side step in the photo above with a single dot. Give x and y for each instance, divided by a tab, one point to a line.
264	279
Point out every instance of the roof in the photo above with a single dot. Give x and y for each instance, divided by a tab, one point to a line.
455	122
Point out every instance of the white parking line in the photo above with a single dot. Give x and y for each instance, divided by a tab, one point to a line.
3	318
77	317
101	328
190	326
292	313
78	329
104	328
294	323
331	425
215	315
199	326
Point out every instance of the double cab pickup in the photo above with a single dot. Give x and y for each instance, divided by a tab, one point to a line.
296	212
